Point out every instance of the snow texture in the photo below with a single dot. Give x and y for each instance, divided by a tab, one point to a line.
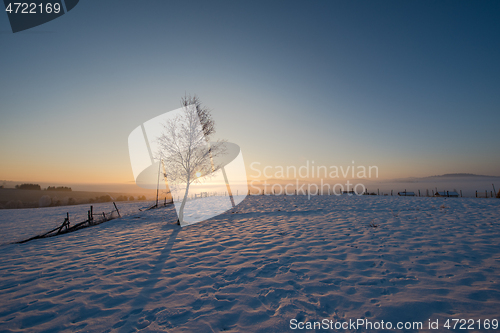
252	269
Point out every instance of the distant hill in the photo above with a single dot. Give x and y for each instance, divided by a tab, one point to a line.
445	177
463	175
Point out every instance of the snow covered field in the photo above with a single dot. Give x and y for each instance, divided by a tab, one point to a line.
254	269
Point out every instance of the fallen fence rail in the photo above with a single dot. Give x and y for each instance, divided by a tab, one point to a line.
158	205
65	227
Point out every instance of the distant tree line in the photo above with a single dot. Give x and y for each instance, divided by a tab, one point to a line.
60	188
125	198
102	198
131	198
38	188
28	187
107	198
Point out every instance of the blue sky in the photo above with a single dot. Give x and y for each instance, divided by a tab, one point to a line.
412	87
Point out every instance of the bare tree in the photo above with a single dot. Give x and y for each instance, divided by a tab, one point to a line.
185	149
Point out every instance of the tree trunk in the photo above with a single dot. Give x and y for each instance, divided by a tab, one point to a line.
181	210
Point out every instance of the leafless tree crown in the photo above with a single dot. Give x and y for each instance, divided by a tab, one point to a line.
204	114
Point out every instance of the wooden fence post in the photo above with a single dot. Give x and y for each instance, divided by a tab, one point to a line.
119	211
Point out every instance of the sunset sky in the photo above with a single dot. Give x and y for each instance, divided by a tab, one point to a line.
412	87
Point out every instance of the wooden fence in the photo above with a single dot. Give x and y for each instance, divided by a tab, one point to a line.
65	227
